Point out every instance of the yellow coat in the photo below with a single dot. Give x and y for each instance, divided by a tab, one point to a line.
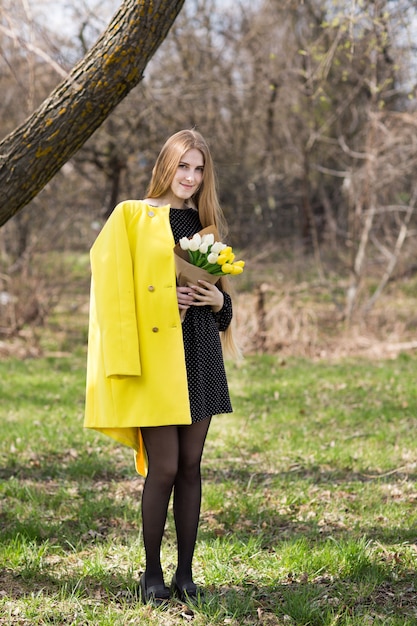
136	373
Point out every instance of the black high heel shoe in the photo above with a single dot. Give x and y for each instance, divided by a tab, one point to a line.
186	593
157	595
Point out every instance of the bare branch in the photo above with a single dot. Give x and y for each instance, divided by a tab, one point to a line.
35	49
394	256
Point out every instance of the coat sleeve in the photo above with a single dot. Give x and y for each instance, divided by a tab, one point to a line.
113	298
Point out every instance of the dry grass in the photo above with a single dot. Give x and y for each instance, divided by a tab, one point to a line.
281	308
306	320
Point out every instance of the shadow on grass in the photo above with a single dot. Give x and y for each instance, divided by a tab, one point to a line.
62	465
112	587
69	502
80	503
273	526
313	474
321	602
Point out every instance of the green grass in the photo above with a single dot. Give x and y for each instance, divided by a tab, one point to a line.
309	513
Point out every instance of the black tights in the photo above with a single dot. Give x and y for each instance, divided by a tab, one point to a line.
174	457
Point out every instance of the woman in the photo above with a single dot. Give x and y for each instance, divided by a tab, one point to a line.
152	382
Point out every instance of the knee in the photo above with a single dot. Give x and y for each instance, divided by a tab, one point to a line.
189	469
164	472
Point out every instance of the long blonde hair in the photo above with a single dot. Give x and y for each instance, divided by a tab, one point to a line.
205	199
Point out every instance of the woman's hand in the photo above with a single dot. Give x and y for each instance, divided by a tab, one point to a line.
185	297
206	294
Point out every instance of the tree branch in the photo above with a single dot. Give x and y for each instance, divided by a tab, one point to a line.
32	154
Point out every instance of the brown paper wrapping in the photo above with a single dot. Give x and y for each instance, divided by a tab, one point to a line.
189	274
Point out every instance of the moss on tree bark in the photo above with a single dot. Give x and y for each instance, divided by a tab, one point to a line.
32	154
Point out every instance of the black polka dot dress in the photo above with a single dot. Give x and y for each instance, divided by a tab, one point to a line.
207	384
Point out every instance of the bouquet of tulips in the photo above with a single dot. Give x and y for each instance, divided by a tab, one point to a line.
213	256
203	257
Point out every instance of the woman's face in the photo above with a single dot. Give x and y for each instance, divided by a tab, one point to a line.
188	177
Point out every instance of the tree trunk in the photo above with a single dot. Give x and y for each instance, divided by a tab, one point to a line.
32	154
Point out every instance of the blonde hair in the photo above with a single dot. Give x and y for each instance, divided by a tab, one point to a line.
205	199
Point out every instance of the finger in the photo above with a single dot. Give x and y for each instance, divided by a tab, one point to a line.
203	289
185	290
205	283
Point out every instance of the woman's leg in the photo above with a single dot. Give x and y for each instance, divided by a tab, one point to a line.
187	495
161	443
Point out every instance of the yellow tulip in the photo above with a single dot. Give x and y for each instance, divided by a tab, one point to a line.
239	264
222	258
236	269
227	268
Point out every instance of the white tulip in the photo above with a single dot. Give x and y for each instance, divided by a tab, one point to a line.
212	258
208	239
218	246
184	243
195	242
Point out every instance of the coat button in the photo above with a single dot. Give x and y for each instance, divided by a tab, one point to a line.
151	213
155	329
151	288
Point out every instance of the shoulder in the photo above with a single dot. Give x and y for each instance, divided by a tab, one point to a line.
131	210
130	207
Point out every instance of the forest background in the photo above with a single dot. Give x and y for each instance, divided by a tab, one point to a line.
310	111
